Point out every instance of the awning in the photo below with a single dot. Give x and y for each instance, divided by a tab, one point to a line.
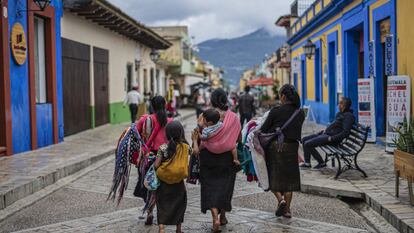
109	16
262	81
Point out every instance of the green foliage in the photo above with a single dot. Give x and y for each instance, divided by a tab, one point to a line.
265	97
405	140
275	90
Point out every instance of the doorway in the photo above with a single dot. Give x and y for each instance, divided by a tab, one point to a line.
152	77
100	68
383	30
129	77
332	80
354	52
76	79
303	74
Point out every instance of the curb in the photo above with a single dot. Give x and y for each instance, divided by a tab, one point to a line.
10	194
29	200
13	194
400	216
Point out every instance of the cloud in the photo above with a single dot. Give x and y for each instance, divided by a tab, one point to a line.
209	19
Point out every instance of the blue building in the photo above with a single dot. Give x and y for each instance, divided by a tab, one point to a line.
343	34
30	75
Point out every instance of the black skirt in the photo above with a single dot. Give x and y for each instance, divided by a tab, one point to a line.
171	202
283	167
217	178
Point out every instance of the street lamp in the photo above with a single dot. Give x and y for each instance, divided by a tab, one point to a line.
42	4
155	55
309	49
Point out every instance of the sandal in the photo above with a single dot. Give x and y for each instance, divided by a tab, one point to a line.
223	221
280	208
150	220
216	228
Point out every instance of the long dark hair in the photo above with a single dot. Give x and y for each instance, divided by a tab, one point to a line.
175	135
291	94
219	99
158	107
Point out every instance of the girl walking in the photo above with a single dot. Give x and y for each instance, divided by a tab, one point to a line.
152	130
172	168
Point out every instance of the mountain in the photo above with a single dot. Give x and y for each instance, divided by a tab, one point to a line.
237	54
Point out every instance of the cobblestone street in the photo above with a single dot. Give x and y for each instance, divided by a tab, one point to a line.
79	205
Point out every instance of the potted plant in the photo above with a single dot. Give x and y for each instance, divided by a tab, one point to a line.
404	157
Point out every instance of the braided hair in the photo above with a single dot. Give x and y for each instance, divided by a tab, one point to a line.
219	99
175	135
158	107
291	94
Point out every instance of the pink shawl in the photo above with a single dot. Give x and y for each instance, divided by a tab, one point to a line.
226	137
158	137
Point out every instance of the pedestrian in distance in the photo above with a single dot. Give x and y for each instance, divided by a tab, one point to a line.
246	106
133	99
282	158
333	134
172	168
199	102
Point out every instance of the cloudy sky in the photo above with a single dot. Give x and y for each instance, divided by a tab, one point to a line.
209	19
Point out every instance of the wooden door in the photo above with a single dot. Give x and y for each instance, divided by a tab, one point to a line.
101	81
76	86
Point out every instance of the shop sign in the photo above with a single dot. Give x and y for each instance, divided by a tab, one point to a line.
371	58
296	66
325	74
339	79
18	43
389	55
398	107
366	106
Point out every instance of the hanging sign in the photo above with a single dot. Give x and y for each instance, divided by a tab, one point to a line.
366	106
339	79
18	43
371	58
389	55
398	107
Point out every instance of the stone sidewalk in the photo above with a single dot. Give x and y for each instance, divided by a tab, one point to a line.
378	190
26	173
241	220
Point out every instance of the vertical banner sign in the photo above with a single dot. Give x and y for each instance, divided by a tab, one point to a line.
398	107
296	66
339	79
366	106
389	55
371	59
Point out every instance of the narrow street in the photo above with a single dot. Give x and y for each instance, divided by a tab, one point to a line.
81	206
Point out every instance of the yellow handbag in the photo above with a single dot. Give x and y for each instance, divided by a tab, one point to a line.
176	169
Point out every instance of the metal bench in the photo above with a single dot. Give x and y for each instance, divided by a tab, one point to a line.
3	151
347	150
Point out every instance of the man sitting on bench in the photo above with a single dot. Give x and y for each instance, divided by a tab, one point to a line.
333	134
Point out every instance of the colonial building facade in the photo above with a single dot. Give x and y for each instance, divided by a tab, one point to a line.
105	54
344	34
31	103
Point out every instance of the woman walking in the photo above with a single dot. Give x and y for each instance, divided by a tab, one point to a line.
217	169
172	169
152	130
282	162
